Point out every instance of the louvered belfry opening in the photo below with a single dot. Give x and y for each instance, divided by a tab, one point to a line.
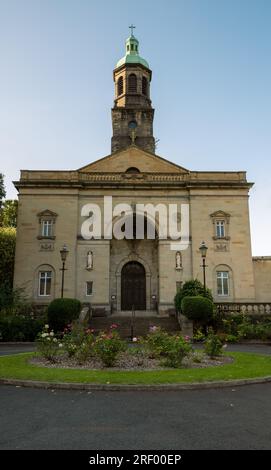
132	83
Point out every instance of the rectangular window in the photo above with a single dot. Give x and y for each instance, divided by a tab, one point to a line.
89	286
222	283
220	228
45	283
47	228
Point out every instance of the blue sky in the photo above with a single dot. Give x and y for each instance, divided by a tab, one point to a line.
211	86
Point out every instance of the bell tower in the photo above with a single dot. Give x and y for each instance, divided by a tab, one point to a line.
132	114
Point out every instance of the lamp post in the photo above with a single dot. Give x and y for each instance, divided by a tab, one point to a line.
203	250
63	253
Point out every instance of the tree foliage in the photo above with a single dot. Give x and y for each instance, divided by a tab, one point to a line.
9	213
7	255
2	189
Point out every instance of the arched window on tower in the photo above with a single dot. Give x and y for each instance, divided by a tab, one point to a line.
132	83
144	86
120	86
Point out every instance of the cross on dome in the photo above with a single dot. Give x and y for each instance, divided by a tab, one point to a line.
132	27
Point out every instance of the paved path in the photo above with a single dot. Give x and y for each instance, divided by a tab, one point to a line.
7	349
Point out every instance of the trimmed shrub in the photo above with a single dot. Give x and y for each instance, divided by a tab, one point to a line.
61	312
19	328
191	288
198	308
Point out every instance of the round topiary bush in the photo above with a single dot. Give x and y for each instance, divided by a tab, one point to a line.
61	312
197	308
190	289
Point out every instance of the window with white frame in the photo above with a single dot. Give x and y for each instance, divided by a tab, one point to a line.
220	228
89	288
47	228
222	278
45	283
221	225
47	221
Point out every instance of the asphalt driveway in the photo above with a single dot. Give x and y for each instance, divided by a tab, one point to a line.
201	419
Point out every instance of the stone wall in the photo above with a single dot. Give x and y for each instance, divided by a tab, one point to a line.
262	276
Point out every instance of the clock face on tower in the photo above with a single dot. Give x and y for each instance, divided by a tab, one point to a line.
132	125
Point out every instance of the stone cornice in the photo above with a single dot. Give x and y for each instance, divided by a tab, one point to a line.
81	179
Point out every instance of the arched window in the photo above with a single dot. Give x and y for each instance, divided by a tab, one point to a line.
144	86
44	281
120	86
223	282
132	83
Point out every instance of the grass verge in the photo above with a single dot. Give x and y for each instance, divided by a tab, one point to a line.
245	365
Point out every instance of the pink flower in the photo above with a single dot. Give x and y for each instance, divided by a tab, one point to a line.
187	338
113	326
134	340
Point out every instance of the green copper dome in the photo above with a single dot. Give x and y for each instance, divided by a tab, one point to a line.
132	56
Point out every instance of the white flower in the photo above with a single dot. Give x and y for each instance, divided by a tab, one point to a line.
54	340
43	335
48	338
52	333
46	326
134	340
60	345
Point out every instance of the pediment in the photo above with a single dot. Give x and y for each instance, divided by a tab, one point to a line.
220	214
133	156
47	213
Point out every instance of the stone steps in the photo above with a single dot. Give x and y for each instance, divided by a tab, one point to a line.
141	325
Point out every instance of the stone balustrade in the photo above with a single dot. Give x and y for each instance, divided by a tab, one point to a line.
248	308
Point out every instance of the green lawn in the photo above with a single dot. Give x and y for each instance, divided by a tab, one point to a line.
245	365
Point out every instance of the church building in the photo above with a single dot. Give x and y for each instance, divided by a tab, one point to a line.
141	273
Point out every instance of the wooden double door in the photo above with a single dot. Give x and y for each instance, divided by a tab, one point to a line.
133	286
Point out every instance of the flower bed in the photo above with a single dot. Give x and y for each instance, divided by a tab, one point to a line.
128	362
80	348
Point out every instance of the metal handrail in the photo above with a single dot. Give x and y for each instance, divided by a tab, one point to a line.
132	322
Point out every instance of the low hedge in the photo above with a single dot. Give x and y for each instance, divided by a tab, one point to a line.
198	308
16	328
61	312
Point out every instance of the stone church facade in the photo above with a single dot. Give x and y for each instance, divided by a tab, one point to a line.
121	274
